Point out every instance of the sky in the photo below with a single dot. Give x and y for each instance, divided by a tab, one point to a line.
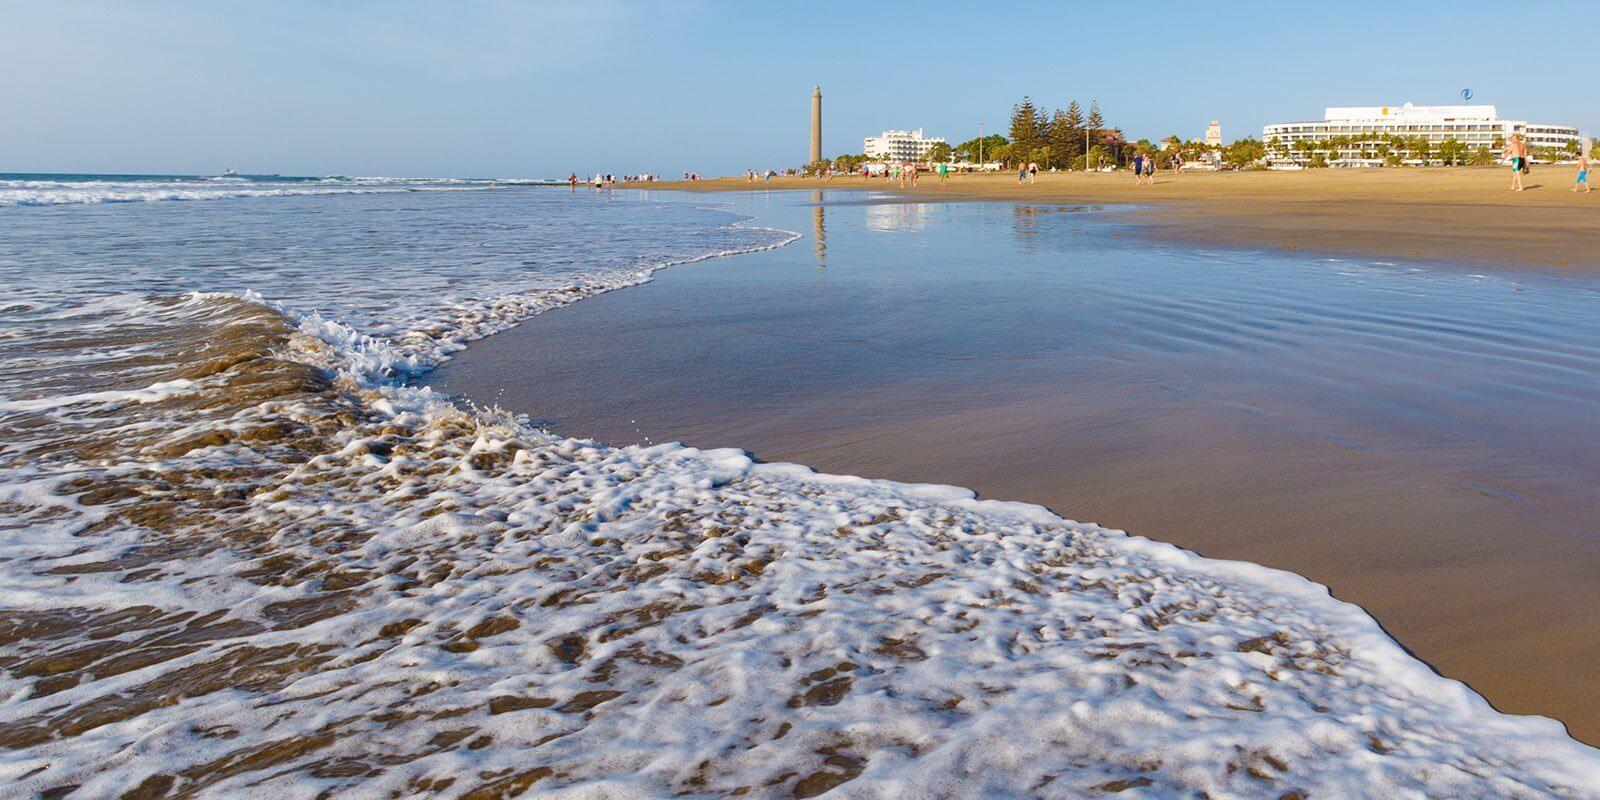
497	88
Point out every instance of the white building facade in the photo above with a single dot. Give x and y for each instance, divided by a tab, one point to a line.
900	145
1363	130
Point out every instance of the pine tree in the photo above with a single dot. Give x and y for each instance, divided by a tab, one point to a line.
1026	133
1075	115
1096	122
1065	139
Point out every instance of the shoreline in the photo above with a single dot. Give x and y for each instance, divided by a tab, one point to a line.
449	586
1462	215
840	454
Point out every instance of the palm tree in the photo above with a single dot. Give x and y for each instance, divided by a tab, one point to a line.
1425	149
1336	147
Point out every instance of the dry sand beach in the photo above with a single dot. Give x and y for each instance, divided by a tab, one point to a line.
1461	214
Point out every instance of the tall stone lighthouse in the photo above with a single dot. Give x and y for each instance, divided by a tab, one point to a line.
816	125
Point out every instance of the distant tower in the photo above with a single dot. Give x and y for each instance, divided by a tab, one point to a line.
816	125
1214	134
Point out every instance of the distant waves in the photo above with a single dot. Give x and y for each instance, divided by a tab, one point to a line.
55	190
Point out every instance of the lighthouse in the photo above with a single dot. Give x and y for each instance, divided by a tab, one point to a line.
816	125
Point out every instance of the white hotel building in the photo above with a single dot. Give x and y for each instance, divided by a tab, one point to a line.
900	145
1474	126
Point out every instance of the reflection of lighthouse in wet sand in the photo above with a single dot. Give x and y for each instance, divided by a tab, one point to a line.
816	125
820	233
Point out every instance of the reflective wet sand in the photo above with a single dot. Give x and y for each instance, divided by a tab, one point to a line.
1421	440
1462	215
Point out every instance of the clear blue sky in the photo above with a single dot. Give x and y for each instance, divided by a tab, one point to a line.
503	88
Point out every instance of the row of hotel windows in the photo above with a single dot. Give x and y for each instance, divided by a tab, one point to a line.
1363	128
1468	137
1315	128
1471	139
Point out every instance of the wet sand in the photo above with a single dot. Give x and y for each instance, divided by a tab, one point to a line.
1428	469
1462	215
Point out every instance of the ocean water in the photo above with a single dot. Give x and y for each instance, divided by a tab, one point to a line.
50	189
243	554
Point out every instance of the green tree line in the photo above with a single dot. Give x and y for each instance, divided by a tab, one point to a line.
1070	138
1064	138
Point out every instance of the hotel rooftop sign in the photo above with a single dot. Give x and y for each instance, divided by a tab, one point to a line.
1408	112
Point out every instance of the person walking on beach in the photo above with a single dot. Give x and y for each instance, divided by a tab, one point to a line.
1583	175
944	173
1517	153
1138	169
1033	172
1022	173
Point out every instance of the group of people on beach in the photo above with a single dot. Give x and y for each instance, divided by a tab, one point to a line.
1515	152
1516	156
906	173
604	179
1144	169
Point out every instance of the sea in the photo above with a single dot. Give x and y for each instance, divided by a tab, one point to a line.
245	551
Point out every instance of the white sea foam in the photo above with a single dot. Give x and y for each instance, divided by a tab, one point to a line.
54	192
496	610
149	394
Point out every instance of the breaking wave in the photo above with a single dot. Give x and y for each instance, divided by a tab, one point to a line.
54	192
